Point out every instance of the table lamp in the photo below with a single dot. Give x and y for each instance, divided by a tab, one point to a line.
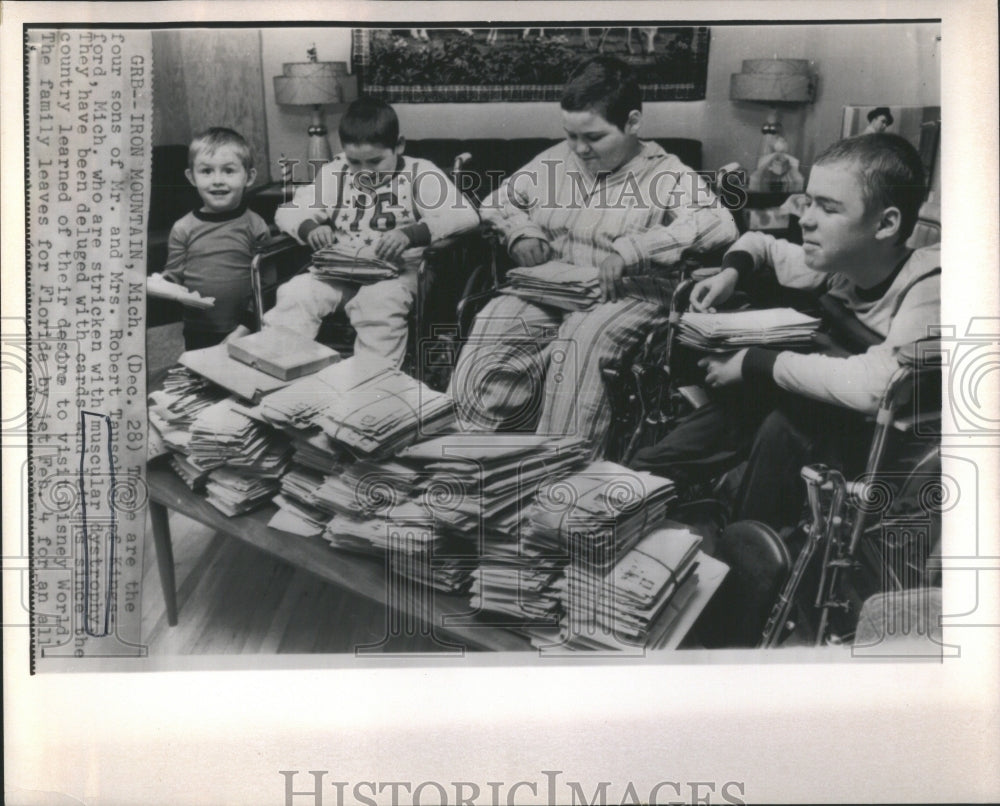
312	83
777	82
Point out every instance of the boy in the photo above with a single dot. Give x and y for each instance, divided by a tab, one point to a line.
602	198
864	197
210	249
369	196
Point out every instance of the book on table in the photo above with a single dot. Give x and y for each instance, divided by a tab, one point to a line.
282	353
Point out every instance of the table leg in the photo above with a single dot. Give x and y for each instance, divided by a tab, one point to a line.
164	558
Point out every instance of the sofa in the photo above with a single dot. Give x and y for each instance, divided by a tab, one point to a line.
489	160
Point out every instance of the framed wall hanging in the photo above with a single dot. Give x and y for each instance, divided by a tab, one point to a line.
442	65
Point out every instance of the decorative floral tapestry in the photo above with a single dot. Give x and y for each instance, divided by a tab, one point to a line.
442	65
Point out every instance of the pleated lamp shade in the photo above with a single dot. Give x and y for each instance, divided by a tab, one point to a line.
773	81
310	83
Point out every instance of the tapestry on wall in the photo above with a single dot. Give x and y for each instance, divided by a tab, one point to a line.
442	65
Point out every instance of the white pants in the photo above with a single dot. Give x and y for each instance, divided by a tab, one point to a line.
378	312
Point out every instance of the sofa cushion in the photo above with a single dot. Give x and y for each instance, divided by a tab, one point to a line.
493	159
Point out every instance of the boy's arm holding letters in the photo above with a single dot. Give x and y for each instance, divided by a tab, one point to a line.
695	222
507	211
439	207
308	215
855	381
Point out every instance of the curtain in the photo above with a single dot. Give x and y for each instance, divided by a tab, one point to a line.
205	78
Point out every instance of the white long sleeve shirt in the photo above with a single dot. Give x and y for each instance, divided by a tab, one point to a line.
652	211
904	311
418	198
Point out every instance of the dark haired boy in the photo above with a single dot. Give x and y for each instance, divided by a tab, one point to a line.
210	249
603	198
370	198
864	196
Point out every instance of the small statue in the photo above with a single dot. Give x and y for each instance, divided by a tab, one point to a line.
777	171
879	119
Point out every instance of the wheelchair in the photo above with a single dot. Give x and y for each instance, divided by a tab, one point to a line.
871	538
456	276
875	535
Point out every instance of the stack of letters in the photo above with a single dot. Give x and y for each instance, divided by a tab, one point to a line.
597	514
234	493
561	285
385	414
637	601
245	457
475	482
173	408
730	331
355	265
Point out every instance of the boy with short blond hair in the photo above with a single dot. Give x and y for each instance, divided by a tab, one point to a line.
210	249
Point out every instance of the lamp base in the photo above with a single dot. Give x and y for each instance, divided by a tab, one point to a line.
319	146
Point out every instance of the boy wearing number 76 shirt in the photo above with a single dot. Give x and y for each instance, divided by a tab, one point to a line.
374	201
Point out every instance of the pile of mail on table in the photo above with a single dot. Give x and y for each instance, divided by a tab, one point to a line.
577	527
366	457
215	444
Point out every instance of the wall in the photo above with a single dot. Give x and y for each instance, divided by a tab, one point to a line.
857	64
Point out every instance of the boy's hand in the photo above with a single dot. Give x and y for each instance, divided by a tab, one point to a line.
724	370
321	236
609	277
392	244
713	291
530	251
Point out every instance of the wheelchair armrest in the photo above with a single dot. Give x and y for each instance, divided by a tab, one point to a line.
275	245
924	355
443	250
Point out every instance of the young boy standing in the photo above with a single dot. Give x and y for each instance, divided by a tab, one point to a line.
370	197
864	197
210	249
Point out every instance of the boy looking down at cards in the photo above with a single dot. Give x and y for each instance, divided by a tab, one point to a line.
864	195
210	249
606	199
373	201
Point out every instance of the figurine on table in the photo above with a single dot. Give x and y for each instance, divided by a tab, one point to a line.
777	171
879	119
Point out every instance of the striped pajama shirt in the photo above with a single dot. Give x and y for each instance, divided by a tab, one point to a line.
527	363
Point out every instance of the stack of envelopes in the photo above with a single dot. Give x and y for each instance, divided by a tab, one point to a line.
633	596
173	408
734	330
406	529
221	434
472	481
386	413
448	568
233	493
596	515
191	474
524	591
298	406
296	410
299	511
561	285
355	265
